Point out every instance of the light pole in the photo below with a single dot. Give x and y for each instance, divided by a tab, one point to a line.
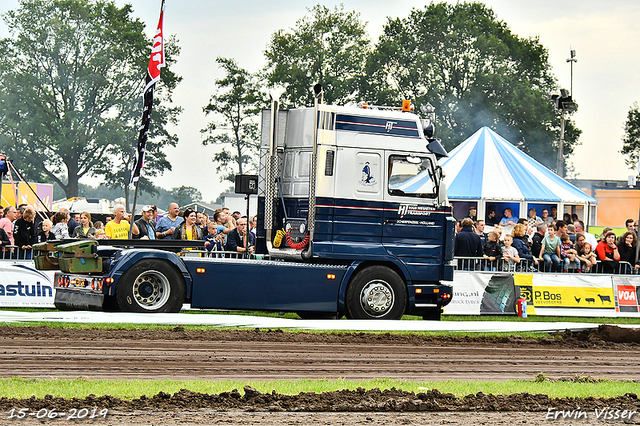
560	166
571	60
565	104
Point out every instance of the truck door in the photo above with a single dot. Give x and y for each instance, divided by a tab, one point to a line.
413	228
358	212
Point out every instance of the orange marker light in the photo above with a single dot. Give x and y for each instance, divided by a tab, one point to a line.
200	270
331	277
418	290
436	290
406	105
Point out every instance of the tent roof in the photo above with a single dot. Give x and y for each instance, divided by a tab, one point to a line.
487	166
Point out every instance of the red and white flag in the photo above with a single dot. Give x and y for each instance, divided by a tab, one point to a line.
156	61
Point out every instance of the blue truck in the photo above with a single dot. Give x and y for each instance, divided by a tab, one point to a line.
353	220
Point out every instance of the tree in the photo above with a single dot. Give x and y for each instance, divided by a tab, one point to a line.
468	64
631	139
185	194
238	101
70	91
327	47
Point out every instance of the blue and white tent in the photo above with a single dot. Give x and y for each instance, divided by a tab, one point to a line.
488	169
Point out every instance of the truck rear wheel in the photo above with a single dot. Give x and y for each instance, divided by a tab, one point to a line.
151	286
376	292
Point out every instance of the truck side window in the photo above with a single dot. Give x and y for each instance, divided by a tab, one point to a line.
412	176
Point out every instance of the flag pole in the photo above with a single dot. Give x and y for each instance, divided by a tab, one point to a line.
156	61
133	209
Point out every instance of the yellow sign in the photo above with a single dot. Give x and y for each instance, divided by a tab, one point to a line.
564	297
25	195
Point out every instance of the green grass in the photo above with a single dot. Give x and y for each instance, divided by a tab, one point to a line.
130	389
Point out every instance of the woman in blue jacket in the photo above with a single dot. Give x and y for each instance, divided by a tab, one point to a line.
520	244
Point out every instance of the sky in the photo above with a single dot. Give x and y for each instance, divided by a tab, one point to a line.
606	77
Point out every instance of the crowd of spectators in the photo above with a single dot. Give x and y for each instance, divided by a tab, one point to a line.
22	227
542	243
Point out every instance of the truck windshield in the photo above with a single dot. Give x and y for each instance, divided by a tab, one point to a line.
412	176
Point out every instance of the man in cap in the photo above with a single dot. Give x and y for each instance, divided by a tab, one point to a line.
143	228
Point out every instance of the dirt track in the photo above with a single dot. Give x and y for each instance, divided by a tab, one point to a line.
254	354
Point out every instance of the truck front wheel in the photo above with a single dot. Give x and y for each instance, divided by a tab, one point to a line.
376	292
150	286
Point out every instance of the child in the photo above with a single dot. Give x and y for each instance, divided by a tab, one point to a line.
492	251
45	235
568	253
550	250
588	258
510	254
498	231
210	240
60	228
99	226
214	240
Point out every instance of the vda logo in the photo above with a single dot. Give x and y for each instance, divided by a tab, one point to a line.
627	295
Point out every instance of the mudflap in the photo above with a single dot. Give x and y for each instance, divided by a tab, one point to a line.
72	300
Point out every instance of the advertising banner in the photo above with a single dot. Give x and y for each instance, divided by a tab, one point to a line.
626	292
589	295
468	289
25	195
567	294
22	285
482	293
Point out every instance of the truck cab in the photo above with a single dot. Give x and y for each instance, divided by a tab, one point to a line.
375	196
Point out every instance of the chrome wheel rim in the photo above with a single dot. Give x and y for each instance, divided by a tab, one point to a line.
376	298
151	290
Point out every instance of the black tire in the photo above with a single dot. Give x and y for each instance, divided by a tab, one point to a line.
432	314
317	315
376	292
151	286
